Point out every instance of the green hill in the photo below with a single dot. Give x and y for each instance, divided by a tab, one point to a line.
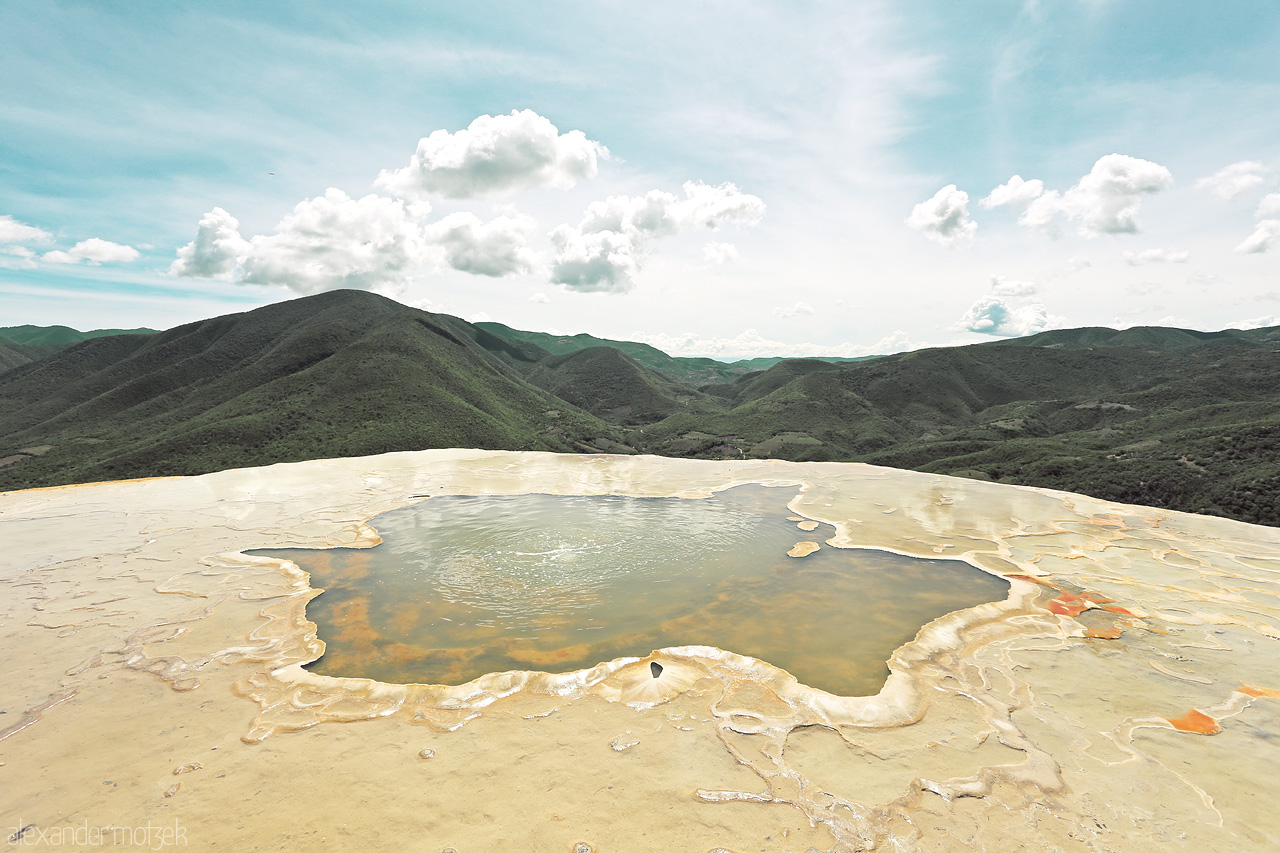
614	386
12	355
340	374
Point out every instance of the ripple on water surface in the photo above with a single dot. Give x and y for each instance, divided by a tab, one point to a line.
463	586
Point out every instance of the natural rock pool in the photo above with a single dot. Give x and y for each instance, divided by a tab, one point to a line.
464	586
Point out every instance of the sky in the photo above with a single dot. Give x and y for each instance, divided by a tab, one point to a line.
725	179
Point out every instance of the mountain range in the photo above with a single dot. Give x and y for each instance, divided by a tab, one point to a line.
1164	417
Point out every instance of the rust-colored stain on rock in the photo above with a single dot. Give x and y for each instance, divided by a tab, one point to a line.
1196	722
1257	692
1068	604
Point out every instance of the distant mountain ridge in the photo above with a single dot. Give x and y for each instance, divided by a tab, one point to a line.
694	370
25	335
1165	417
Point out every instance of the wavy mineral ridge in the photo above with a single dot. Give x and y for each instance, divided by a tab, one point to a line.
1125	695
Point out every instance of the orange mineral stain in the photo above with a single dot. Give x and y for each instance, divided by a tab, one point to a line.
1068	604
1258	692
1196	722
1112	633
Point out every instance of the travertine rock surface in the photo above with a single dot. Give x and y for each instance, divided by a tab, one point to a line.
1125	697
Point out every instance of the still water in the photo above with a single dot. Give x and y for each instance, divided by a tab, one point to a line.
463	586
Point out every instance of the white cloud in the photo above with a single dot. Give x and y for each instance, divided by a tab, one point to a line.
661	214
1105	201
800	309
93	251
945	218
607	248
97	251
22	258
496	153
13	231
539	297
1269	207
1172	322
334	241
479	317
1230	181
720	253
1078	262
1002	286
600	261
712	206
992	315
1263	322
751	344
1016	193
372	243
1156	256
1264	236
213	253
496	248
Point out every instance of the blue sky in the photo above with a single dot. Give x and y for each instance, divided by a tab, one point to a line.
817	170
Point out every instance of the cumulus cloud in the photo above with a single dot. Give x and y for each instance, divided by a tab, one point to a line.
599	261
13	231
800	309
607	248
751	344
1230	181
496	248
93	251
661	214
1264	236
992	315
334	241
1269	207
1267	231
944	218
1105	201
97	251
213	253
496	153
720	253
1002	286
539	297
1156	256
1016	193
